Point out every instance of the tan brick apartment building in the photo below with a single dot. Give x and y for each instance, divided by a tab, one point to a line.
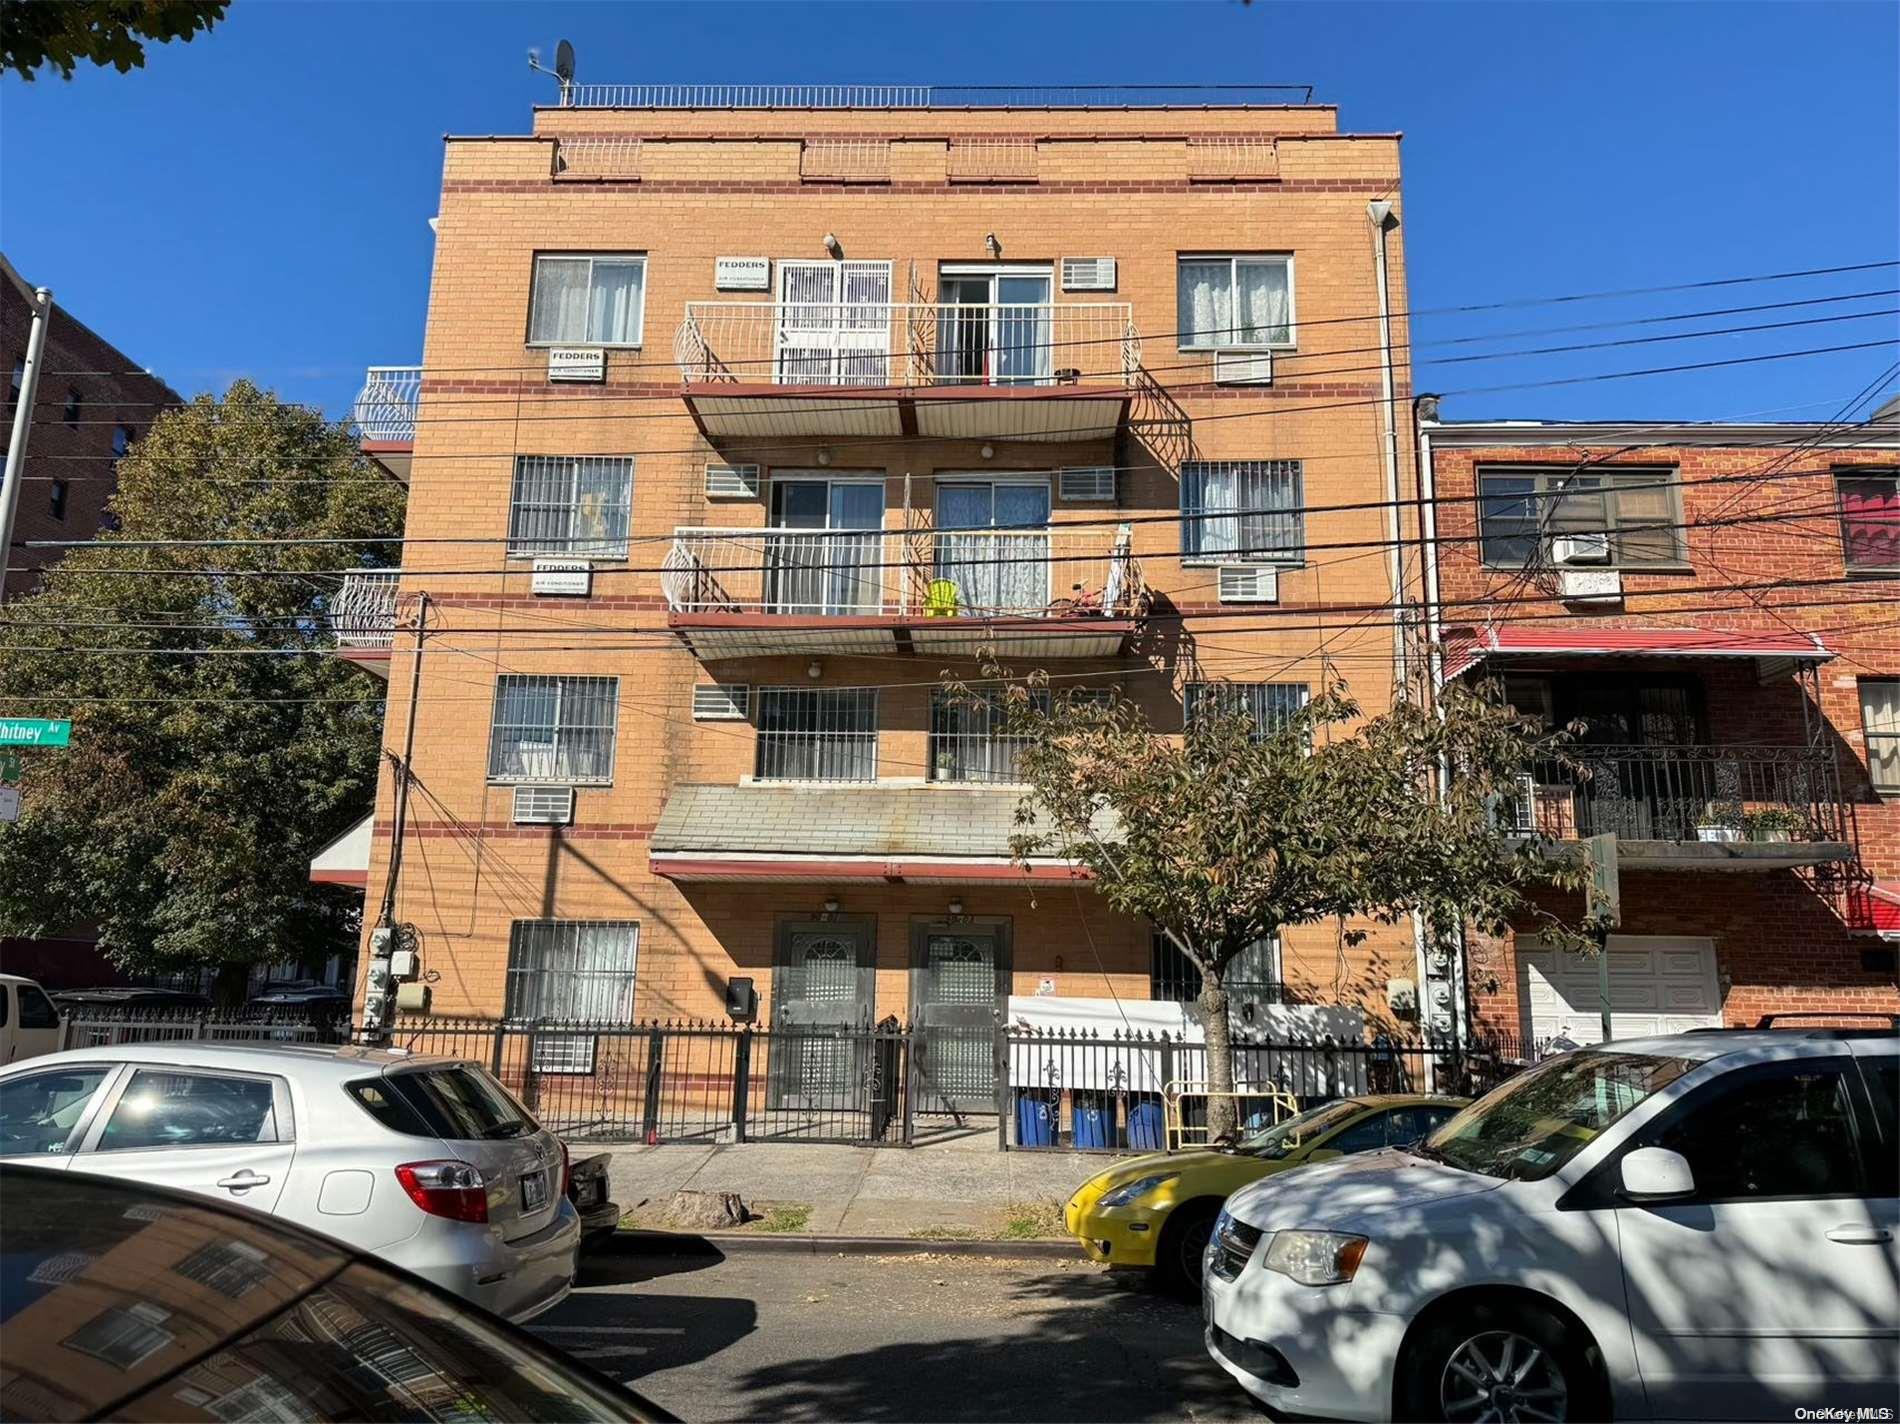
1715	605
94	401
798	407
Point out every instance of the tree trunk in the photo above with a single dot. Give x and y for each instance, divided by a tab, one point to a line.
1222	1117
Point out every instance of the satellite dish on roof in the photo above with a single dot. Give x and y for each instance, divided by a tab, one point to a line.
564	62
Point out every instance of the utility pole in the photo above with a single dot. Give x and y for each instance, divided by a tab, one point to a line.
22	423
391	964
1603	905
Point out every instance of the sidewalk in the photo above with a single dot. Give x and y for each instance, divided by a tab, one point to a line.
962	1185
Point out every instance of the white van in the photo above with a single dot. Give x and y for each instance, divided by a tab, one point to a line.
29	1024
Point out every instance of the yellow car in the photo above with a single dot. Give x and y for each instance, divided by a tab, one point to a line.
1157	1211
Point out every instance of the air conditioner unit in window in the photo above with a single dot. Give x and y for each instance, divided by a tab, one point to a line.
1086	484
544	805
1580	549
1088	274
732	482
720	702
1243	368
1249	583
1590	585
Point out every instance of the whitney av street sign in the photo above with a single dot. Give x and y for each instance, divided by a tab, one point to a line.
34	732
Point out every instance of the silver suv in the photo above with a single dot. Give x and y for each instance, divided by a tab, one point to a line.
427	1162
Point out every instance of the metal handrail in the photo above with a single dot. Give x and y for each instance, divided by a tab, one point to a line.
363	613
385	410
934	96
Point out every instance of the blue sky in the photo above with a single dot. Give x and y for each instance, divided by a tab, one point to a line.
255	202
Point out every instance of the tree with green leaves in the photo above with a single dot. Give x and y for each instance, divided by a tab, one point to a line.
61	33
1234	831
217	742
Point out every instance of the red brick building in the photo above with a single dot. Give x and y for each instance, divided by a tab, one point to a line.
1715	606
94	401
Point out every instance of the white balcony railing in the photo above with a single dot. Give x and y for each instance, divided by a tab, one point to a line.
1048	572
909	344
363	614
385	410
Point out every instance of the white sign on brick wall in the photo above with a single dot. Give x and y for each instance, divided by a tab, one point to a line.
577	363
570	578
742	274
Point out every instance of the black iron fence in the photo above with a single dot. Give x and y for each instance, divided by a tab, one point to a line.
720	1082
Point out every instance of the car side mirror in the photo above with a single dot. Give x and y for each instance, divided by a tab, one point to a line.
1656	1174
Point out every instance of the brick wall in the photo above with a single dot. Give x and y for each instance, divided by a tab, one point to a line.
71	446
708	185
1758	511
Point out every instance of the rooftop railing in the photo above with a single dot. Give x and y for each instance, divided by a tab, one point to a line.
870	344
934	96
385	411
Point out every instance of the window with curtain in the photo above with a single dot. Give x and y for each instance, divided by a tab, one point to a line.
1270	704
577	506
1636	511
1228	303
571	972
817	733
588	301
1253	974
970	740
1242	511
1870	520
557	730
1880	722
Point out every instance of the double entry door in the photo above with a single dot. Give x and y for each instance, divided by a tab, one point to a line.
833	324
823	553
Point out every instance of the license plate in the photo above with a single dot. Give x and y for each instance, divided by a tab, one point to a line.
534	1191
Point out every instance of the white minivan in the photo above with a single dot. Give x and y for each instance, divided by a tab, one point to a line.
29	1023
1695	1227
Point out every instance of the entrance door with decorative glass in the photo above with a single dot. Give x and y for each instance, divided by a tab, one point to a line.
959	975
823	981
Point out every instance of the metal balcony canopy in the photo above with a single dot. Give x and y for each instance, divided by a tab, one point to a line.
934	96
1520	640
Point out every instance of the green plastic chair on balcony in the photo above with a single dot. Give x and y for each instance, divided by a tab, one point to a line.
941	599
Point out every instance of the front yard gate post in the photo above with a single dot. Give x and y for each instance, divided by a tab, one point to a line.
530	1079
656	1058
1000	1057
905	1083
741	1080
495	1056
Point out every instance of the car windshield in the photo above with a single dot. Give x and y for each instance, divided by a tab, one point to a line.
1285	1138
1529	1127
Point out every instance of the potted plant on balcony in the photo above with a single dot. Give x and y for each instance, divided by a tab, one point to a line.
1774	823
1719	821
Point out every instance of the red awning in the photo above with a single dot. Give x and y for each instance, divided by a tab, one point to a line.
1875	909
1466	648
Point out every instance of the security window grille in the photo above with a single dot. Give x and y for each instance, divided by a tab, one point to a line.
554	729
588	301
1880	722
1522	512
1870	521
577	507
1253	974
1270	704
572	971
1234	303
231	1268
817	734
970	740
123	1336
1242	511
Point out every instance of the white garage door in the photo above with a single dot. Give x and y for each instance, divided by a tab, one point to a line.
1658	984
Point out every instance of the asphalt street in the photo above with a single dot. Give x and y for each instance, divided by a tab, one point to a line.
770	1336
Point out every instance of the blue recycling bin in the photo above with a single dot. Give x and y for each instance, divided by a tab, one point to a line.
1093	1123
1035	1119
1147	1132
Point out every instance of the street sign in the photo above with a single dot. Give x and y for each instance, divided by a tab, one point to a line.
10	768
9	804
34	732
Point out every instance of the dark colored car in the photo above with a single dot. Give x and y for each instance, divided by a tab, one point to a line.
134	997
590	1191
128	1303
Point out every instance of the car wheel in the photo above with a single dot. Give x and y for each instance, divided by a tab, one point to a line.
1515	1366
1183	1239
